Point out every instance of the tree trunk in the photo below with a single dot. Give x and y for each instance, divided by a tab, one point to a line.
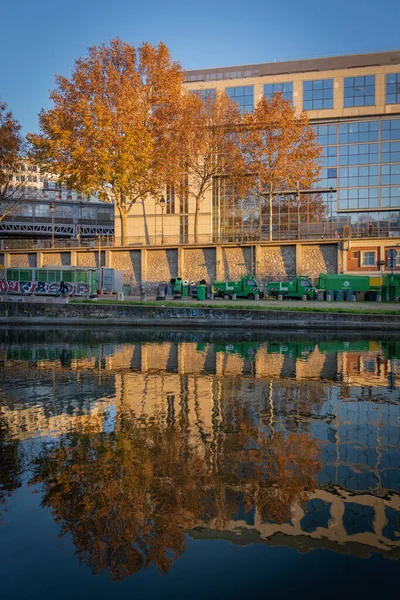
196	221
270	216
124	225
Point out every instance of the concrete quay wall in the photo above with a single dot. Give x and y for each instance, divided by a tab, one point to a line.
152	266
125	315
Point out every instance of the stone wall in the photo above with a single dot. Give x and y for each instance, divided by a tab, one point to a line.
319	259
161	266
59	259
236	262
129	263
87	259
199	263
276	264
23	260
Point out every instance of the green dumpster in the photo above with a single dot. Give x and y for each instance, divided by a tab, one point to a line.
201	292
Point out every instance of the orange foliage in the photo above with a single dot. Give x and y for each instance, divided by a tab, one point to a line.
111	127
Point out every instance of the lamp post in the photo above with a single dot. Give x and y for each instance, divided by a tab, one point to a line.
162	203
297	197
52	209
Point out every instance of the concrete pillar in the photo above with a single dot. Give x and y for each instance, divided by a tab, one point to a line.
143	265
341	259
39	260
7	260
181	262
218	263
257	259
74	258
108	258
299	262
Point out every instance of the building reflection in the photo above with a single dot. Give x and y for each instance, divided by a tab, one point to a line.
290	443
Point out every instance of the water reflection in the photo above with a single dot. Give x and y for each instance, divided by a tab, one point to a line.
135	441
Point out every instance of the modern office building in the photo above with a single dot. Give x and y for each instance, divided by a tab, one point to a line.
354	105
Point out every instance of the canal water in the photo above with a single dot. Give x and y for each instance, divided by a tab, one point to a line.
198	465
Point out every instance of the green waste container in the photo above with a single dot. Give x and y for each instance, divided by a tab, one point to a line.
201	292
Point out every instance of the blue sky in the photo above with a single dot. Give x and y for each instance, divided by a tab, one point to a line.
43	37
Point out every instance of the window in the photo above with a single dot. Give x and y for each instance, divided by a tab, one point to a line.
329	156
358	198
368	259
390	197
359	176
170	200
390	152
204	94
243	96
286	89
390	174
318	94
393	88
326	134
305	283
359	91
364	131
390	129
358	154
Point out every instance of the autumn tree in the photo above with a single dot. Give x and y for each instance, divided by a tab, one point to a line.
11	147
111	127
281	151
209	146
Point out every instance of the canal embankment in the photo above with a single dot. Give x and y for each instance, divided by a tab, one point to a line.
185	315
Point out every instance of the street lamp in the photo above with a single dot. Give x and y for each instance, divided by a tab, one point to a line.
162	203
297	198
52	209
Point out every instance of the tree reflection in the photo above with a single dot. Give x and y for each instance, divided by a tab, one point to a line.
10	463
128	496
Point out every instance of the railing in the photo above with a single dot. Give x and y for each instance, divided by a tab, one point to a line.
201	240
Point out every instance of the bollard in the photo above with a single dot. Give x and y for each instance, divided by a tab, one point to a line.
143	297
257	297
304	297
211	296
120	295
328	297
352	298
233	296
280	296
379	298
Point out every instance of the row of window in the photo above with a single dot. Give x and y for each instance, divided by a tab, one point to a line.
361	131
317	93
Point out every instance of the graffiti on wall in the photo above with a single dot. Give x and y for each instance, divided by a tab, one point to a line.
42	288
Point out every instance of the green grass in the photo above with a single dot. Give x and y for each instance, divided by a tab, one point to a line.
309	308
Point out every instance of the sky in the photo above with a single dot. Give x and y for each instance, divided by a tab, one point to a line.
42	38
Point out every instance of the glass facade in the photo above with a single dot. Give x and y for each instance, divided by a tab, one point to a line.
286	89
359	167
393	88
243	96
359	91
318	94
366	173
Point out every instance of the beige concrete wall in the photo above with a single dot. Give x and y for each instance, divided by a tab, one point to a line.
237	262
338	110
